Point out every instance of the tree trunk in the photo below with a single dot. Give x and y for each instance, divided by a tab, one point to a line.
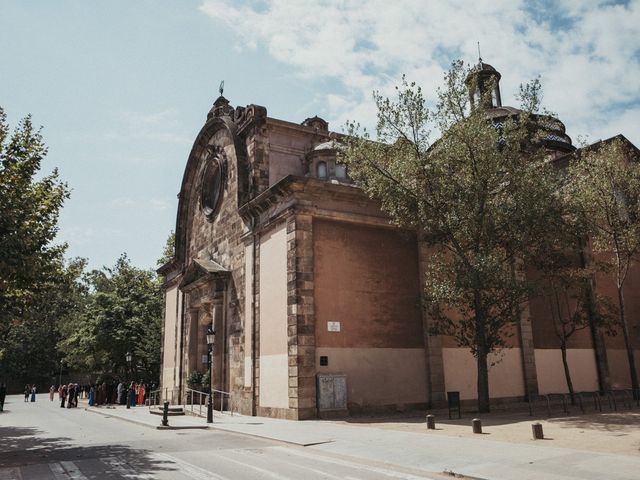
483	383
627	344
481	353
599	348
567	373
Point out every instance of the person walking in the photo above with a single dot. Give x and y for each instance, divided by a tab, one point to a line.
52	390
60	392
27	391
140	399
33	393
120	392
3	394
132	394
63	396
92	397
71	391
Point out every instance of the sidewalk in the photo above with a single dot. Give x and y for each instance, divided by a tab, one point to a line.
476	457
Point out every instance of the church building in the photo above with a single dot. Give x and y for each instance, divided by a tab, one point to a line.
315	297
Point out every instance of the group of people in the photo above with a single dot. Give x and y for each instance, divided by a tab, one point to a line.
30	391
104	393
67	393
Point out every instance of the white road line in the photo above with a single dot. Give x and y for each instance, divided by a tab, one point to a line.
124	469
58	471
297	465
187	468
357	466
72	471
66	471
257	469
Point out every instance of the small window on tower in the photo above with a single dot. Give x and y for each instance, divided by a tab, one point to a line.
321	170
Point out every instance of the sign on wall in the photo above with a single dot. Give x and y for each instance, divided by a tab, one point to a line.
333	326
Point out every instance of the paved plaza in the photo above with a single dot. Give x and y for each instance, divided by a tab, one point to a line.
42	441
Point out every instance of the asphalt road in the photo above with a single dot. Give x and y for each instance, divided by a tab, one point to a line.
42	441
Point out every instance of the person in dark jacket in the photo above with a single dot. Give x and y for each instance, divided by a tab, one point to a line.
3	394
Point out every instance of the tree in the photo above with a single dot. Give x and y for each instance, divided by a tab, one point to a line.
122	314
479	195
565	287
168	252
605	184
31	265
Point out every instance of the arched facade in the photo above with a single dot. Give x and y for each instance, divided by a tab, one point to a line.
315	299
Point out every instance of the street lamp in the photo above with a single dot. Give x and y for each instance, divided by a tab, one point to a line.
60	376
128	358
211	339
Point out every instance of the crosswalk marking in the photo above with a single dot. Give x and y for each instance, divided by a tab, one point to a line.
124	469
252	467
357	466
66	471
10	474
190	470
302	467
58	471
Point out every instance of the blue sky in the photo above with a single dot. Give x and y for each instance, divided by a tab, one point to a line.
123	87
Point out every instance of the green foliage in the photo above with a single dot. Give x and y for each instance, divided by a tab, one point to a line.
169	250
122	314
481	195
605	190
195	378
33	277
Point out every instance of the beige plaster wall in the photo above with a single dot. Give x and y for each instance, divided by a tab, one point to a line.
619	367
378	376
274	372
505	376
248	313
550	371
169	342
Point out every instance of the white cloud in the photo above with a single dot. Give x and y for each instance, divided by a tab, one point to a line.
162	127
587	52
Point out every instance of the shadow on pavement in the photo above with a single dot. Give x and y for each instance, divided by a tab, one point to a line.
20	447
608	422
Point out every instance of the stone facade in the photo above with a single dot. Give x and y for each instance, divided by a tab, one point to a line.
300	274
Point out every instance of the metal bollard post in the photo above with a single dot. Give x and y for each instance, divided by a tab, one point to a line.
431	422
165	414
536	428
476	424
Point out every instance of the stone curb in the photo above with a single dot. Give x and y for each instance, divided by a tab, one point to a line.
148	425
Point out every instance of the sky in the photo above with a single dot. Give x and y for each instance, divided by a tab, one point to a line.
122	88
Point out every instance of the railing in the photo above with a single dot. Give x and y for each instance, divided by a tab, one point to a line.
614	399
156	397
194	400
224	400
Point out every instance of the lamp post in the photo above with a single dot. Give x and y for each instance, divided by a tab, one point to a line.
60	376
211	339
128	358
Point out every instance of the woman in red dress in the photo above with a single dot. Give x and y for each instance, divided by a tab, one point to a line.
140	399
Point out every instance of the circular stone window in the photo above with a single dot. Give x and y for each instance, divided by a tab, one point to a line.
212	185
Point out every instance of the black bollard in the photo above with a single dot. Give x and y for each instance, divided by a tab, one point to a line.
431	422
476	425
536	428
165	414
